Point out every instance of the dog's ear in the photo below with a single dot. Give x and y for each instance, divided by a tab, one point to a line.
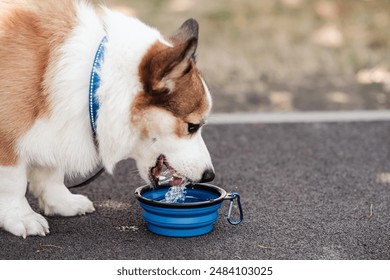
189	29
172	62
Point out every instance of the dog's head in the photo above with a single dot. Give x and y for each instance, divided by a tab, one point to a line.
170	110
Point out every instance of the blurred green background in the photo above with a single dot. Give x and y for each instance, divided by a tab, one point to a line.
284	55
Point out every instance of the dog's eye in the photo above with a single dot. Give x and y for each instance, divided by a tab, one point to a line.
192	128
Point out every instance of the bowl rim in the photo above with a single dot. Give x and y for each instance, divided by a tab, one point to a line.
222	196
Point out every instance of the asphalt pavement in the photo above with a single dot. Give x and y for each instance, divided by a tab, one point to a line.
309	191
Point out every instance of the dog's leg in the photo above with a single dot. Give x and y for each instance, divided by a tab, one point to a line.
54	197
16	215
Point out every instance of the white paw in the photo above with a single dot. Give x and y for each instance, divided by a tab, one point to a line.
67	204
19	219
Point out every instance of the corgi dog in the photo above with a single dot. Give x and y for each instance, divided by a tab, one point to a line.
83	86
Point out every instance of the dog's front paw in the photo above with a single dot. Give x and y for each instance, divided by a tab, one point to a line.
66	204
19	219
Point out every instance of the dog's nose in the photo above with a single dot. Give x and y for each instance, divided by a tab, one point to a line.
208	176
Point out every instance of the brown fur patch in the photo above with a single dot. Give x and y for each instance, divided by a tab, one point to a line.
184	95
30	36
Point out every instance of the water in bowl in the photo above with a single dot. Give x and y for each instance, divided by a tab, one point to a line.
175	194
191	195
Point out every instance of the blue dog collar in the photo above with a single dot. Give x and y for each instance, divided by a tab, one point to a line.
94	84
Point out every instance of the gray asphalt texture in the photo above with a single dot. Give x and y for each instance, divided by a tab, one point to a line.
309	191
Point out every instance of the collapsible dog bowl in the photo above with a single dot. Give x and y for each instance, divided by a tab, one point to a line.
195	216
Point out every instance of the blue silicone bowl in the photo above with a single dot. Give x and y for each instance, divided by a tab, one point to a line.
195	216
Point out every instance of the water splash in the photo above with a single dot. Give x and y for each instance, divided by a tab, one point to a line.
176	194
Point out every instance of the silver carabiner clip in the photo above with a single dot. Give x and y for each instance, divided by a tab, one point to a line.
234	196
